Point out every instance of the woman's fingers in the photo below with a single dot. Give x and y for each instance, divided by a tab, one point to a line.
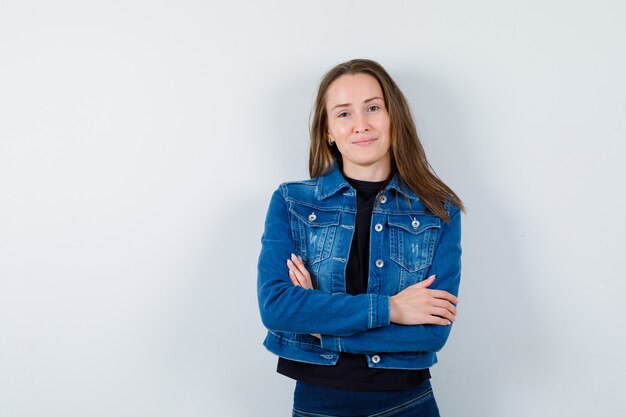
293	278
426	283
444	295
306	277
444	313
294	274
303	278
300	265
445	304
439	320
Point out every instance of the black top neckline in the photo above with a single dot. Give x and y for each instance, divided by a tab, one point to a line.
367	187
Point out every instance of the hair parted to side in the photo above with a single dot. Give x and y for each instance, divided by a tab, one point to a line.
408	158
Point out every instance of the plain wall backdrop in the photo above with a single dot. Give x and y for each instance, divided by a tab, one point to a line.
140	142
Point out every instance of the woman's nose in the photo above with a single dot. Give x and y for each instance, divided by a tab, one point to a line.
360	124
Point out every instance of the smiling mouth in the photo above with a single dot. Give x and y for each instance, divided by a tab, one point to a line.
364	141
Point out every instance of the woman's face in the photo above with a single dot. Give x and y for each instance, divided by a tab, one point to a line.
358	124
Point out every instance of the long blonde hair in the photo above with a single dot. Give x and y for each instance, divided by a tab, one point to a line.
408	158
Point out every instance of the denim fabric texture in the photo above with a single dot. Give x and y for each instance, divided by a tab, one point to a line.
314	401
315	219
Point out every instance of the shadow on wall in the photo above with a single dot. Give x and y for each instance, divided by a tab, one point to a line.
497	341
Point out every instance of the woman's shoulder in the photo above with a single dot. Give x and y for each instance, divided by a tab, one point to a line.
309	188
415	202
297	189
294	184
299	183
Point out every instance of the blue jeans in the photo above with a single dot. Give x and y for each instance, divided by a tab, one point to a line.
314	401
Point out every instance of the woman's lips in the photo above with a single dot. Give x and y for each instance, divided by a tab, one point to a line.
363	142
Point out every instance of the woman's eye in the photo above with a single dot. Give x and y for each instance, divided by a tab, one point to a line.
343	114
373	108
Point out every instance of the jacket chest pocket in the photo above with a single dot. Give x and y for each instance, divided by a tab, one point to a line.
313	231
412	240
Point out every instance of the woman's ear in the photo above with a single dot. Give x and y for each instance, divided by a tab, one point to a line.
329	138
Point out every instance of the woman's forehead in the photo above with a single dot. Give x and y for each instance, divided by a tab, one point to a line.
353	89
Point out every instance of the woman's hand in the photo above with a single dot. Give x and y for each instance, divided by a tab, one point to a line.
300	276
298	273
418	304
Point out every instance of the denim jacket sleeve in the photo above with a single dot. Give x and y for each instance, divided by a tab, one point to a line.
288	308
424	337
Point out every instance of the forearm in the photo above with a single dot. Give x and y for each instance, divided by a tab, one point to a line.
392	338
288	308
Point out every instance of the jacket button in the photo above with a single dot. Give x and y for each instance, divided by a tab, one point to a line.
415	224
375	358
378	227
379	263
382	199
312	217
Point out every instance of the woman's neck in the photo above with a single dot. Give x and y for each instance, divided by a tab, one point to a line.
367	173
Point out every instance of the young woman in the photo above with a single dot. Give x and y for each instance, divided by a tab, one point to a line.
360	265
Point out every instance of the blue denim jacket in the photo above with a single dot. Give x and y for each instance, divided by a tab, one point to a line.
315	219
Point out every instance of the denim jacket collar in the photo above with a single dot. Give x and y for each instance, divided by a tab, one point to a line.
334	181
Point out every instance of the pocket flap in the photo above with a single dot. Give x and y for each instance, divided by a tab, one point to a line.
315	217
414	224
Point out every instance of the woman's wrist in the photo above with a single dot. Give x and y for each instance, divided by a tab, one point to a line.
393	310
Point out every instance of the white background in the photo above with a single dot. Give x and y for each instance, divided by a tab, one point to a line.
140	142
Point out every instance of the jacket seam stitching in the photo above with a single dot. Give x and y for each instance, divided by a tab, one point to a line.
296	342
371	318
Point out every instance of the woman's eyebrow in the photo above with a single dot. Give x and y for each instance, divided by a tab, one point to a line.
365	101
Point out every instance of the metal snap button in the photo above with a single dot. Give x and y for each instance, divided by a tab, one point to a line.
378	227
379	263
382	199
312	217
375	358
415	223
